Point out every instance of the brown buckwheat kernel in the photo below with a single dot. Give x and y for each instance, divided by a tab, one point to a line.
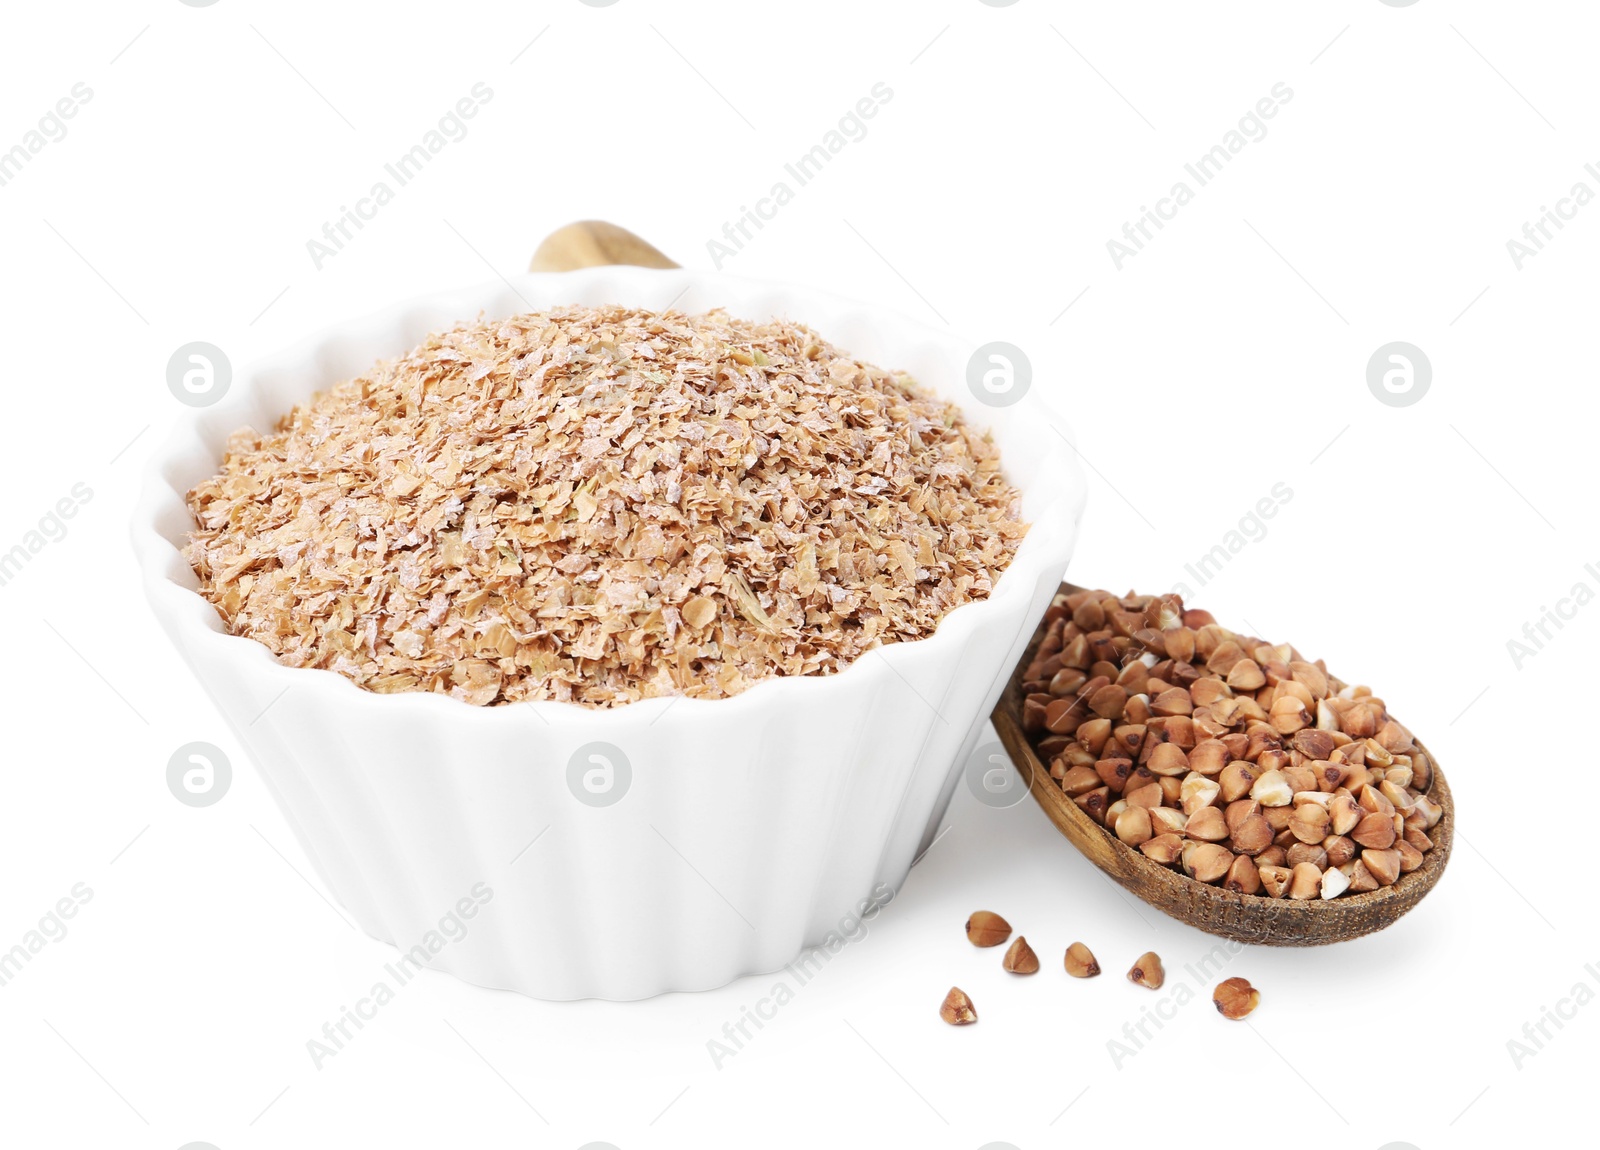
985	928
957	1008
1235	998
1148	971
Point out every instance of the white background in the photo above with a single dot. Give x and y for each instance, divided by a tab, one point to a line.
1228	356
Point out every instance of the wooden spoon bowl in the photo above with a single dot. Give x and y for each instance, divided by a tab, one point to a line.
1243	917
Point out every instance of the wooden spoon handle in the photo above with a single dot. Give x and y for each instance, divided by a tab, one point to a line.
594	243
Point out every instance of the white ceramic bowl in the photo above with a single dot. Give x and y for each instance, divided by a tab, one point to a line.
751	826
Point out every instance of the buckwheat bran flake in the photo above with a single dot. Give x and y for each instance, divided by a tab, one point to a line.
602	505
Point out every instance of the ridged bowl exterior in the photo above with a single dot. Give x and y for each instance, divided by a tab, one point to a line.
752	825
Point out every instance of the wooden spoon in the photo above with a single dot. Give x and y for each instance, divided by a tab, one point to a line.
1243	917
592	244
